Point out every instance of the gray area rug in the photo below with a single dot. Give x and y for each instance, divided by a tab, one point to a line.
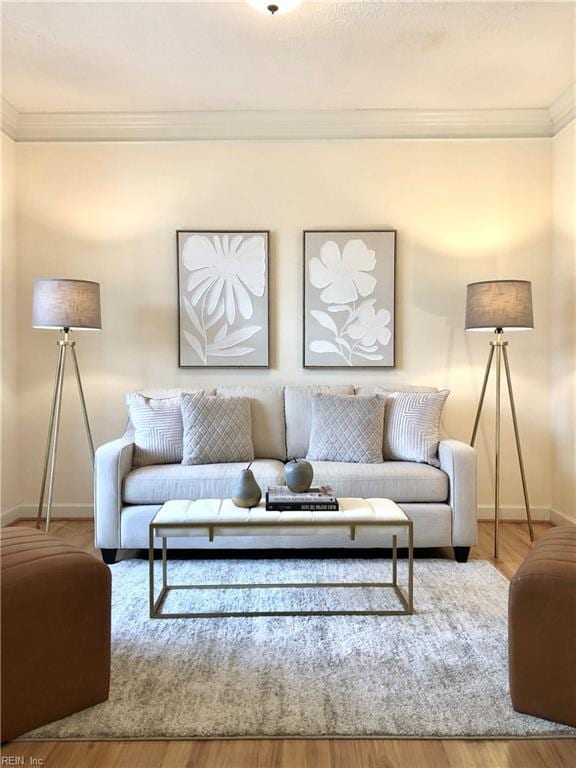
439	673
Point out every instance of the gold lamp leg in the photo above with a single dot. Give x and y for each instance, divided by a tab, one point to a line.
54	448
54	426
49	440
518	447
83	403
482	394
498	346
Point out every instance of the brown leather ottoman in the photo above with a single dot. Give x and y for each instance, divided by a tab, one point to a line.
542	629
55	630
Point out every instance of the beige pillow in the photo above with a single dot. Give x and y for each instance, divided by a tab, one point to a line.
217	430
268	422
298	408
412	426
156	417
347	428
157	429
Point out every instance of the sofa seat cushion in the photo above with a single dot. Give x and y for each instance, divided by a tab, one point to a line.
401	481
432	528
163	482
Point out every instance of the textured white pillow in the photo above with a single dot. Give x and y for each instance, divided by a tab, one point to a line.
298	413
217	430
347	428
412	426
157	429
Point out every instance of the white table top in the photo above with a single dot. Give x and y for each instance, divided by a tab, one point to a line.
220	512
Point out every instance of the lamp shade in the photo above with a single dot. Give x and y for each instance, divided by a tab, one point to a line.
73	304
505	304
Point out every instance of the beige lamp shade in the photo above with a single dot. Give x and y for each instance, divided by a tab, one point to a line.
72	304
505	304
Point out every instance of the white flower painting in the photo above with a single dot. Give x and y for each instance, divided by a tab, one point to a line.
349	299
223	296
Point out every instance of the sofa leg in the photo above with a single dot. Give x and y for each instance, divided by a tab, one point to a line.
109	556
461	554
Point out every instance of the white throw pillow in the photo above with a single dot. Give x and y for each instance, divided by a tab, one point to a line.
217	430
347	428
157	429
412	426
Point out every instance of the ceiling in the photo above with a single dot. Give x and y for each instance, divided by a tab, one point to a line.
131	57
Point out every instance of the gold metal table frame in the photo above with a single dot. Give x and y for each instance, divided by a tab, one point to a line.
406	597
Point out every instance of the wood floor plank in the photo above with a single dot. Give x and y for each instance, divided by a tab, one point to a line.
300	753
474	754
312	753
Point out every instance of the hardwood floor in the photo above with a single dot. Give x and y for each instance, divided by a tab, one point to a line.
311	753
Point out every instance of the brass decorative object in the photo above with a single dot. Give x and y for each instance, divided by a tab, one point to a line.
500	305
65	305
162	530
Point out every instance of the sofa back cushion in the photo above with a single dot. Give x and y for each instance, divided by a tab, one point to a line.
371	389
347	428
298	408
268	423
162	393
216	429
412	426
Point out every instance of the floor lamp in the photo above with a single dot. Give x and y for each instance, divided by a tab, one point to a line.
500	305
68	305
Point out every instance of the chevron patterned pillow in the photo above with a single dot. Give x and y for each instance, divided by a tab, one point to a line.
412	426
157	429
217	430
347	428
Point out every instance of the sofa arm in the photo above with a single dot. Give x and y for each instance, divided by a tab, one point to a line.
458	460
112	462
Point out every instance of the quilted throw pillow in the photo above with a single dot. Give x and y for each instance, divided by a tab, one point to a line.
216	429
157	429
412	426
347	428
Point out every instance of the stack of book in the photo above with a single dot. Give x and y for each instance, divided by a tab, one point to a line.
279	498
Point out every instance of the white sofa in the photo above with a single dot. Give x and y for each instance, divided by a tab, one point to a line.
441	502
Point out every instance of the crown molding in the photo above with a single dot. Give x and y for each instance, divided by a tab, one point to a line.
9	119
563	109
277	125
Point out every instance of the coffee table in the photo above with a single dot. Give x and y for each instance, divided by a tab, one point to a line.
220	517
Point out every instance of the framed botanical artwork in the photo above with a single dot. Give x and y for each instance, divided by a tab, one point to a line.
223	299
349	297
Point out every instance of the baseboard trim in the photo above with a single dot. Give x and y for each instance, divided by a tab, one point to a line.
9	516
559	518
513	513
59	512
485	512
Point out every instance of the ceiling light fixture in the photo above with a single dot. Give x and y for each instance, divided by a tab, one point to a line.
278	6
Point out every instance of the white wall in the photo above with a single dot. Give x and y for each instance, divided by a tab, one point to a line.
563	325
9	443
464	211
